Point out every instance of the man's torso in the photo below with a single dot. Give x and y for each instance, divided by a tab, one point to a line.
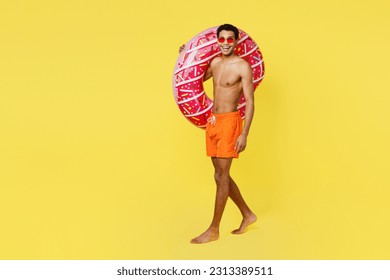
227	83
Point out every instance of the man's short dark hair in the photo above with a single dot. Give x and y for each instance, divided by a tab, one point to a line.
228	27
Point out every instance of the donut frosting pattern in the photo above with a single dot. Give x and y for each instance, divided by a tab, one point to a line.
192	64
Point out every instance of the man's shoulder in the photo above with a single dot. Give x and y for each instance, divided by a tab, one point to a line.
244	65
242	61
216	60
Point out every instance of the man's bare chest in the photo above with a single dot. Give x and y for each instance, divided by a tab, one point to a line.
226	76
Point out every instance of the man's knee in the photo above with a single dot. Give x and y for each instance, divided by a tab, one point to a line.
221	176
222	167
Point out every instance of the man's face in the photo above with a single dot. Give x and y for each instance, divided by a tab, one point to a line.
227	42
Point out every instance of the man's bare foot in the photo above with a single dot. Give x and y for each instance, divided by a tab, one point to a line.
246	221
208	236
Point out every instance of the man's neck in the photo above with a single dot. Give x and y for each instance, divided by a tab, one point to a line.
229	57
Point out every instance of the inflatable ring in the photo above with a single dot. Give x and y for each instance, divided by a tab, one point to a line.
192	64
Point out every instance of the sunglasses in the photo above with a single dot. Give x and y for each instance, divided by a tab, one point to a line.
230	40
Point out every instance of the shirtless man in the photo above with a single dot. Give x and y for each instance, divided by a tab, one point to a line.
225	137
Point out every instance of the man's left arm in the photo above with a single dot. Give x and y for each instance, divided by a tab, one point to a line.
247	86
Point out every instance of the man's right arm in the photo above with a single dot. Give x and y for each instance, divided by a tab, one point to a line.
208	73
181	48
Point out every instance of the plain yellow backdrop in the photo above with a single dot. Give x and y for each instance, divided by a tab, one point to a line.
97	162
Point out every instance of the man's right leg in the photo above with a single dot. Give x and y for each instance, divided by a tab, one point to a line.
222	169
248	217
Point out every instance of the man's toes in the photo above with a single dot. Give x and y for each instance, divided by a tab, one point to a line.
237	231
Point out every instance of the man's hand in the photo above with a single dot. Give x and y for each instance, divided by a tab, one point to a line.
240	143
182	48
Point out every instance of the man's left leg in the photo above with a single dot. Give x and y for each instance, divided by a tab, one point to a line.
248	217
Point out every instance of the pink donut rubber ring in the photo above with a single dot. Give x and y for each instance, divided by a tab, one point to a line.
191	65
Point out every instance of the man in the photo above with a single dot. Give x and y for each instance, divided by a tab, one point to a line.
225	137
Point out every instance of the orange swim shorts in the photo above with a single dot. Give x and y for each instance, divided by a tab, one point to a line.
221	136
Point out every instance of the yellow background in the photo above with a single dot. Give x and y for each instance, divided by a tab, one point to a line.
97	162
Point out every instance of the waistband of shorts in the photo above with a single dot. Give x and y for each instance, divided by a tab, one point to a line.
227	115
